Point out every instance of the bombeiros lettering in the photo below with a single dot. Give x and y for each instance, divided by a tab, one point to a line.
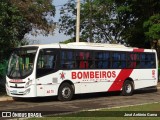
93	74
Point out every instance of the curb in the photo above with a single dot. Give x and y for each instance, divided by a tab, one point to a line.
6	98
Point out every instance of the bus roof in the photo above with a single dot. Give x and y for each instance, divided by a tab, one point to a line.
88	46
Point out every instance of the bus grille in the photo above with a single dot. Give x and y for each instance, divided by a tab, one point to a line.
16	86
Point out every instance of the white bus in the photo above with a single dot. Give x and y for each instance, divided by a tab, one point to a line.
66	69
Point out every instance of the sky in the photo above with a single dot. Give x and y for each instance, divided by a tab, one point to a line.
57	37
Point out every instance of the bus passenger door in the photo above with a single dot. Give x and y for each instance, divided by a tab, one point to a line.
46	66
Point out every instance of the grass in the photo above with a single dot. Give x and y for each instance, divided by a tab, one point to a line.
113	113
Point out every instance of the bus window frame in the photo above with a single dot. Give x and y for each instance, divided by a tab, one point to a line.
56	68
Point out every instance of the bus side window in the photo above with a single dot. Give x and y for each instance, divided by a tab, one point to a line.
123	64
82	63
147	60
116	64
40	61
84	60
133	60
150	60
46	62
67	59
102	60
116	60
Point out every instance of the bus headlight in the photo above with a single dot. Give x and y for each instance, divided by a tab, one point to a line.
27	91
28	83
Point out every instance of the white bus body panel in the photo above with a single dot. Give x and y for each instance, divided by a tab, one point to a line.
48	85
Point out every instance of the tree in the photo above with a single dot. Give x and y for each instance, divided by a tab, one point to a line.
98	24
144	26
111	20
38	16
67	21
18	17
71	40
98	20
152	31
137	12
152	27
10	20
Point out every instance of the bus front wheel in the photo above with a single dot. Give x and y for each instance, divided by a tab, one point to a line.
127	88
65	92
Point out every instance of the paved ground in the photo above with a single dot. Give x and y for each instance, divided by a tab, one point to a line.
87	101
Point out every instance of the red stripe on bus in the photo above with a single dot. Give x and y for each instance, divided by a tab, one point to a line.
118	83
123	75
138	50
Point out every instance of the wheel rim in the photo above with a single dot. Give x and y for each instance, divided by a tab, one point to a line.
128	88
66	92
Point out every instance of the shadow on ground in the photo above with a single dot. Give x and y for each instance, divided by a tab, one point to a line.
85	96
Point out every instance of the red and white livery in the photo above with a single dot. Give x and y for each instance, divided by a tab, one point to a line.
66	69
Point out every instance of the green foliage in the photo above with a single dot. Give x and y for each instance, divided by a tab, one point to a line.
152	27
152	32
135	13
98	21
72	40
111	113
38	16
20	17
10	24
68	18
3	68
67	41
112	20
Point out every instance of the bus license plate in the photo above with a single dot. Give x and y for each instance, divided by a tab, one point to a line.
14	91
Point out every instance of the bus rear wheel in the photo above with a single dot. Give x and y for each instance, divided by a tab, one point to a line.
127	89
65	92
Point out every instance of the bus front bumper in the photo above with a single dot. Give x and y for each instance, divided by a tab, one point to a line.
21	92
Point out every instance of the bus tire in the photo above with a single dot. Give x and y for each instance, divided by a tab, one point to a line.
127	89
65	92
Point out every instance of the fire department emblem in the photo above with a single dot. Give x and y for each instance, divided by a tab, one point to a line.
62	75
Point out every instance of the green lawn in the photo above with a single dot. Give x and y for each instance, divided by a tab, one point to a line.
113	113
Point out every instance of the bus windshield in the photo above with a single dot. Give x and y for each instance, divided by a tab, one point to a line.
21	62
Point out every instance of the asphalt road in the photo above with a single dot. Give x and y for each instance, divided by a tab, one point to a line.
81	102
